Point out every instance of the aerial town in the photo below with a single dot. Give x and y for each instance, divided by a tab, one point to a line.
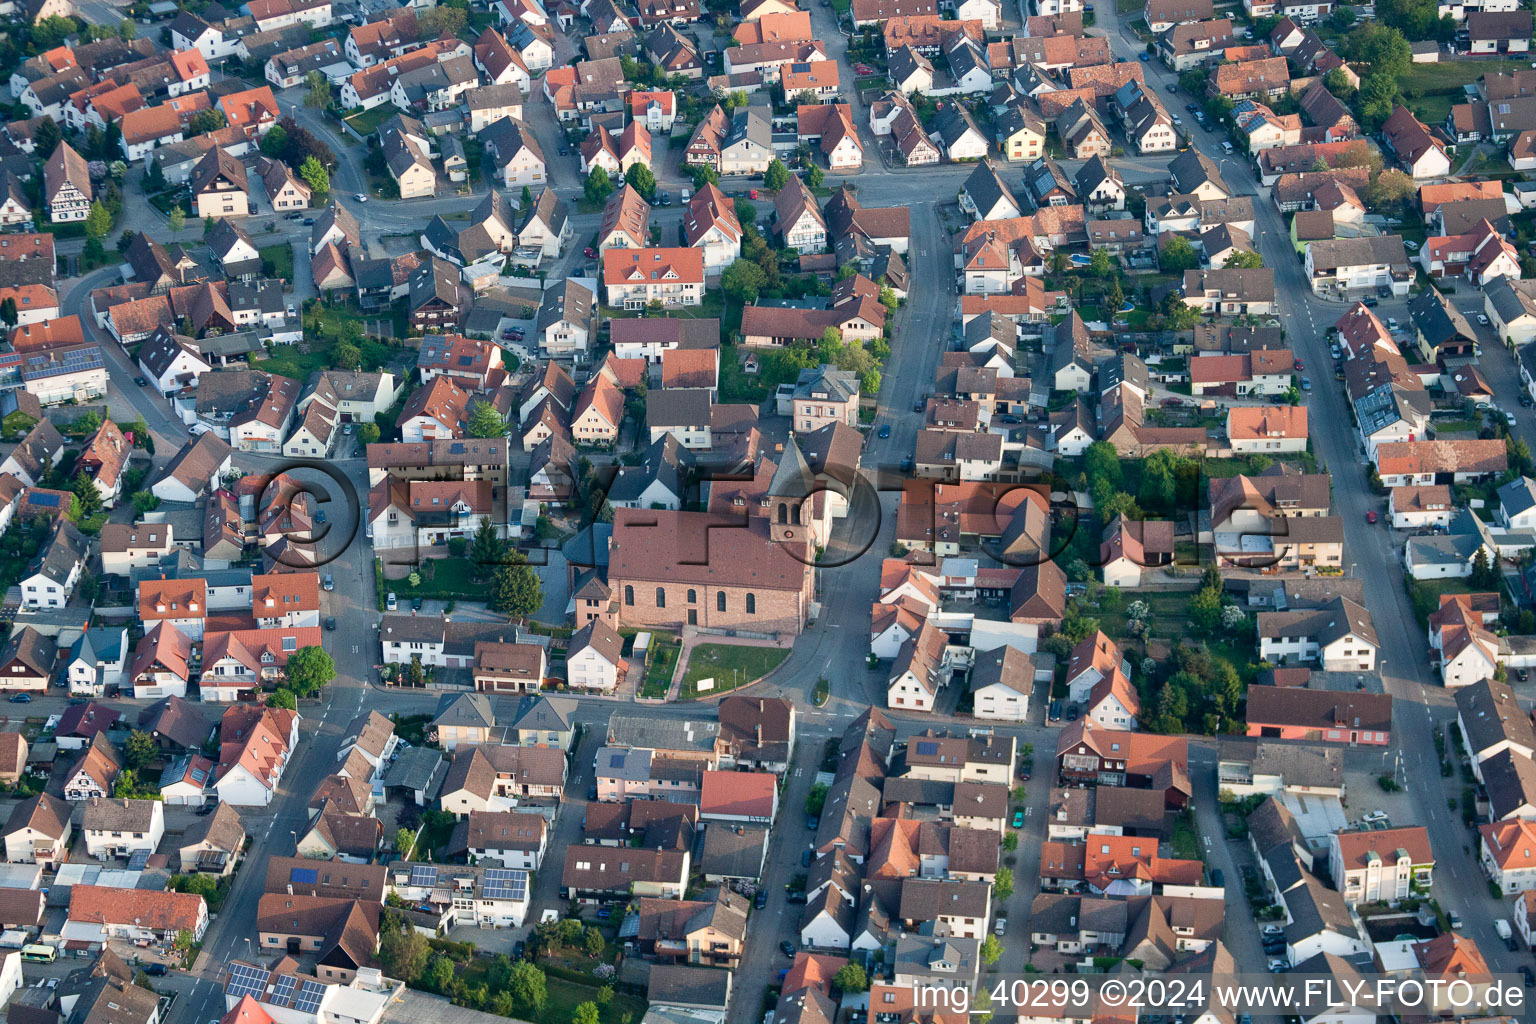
734	511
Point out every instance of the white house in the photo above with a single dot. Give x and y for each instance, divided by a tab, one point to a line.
1340	636
1001	683
594	661
118	828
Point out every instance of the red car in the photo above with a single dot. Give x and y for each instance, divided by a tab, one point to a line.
752	193
589	252
1172	400
1300	365
1370	517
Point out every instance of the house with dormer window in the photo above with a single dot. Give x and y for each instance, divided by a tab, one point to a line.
182	603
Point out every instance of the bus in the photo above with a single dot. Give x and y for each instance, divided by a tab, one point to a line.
39	954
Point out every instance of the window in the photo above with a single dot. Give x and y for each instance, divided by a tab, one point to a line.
720	601
661	597
629	596
751	604
693	597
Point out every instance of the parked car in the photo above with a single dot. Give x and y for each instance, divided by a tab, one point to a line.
1018	818
1055	711
1522	674
1144	55
1525	972
1218	879
140	381
1370	516
330	622
1072	712
22	698
330	584
812	822
589	252
796	896
885	430
761	900
1306	383
907	464
1455	920
1369	301
390	604
805	858
787	947
1525	400
155	970
1482	318
360	197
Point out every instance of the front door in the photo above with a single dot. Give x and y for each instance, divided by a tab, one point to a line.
693	617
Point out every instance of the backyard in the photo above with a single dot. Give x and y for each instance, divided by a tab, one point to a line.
729	666
277	261
444	578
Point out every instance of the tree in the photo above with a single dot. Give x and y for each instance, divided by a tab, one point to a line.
1484	574
702	175
597	188
515	589
777	175
1245	259
208	223
46	136
8	311
1391	188
127	784
585	1013
1178	256
177	218
1115	296
851	979
84	488
528	988
485	421
309	669
991	950
319	94
140	750
144	501
440	19
346	356
743	280
315	175
368	433
1101	263
196	885
641	179
403	950
205	121
440	974
486	548
1002	884
99	221
592	941
274	142
746	212
405	842
282	697
814	177
1011	841
127	31
1205	609
1381	47
1338	83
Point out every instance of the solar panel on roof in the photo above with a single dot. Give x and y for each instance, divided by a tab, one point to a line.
309	997
282	992
927	749
505	884
245	980
423	874
304	876
39	498
139	860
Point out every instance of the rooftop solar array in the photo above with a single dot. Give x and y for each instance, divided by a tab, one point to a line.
304	876
505	884
245	980
423	875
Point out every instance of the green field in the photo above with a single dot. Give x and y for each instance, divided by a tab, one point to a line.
279	258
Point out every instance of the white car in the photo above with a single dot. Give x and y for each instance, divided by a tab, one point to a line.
1482	318
360	197
1276	966
1410	245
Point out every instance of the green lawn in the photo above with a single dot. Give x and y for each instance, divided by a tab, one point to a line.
451	579
1129	6
277	261
1186	838
1450	76
658	676
1432	109
729	665
288	361
368	121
